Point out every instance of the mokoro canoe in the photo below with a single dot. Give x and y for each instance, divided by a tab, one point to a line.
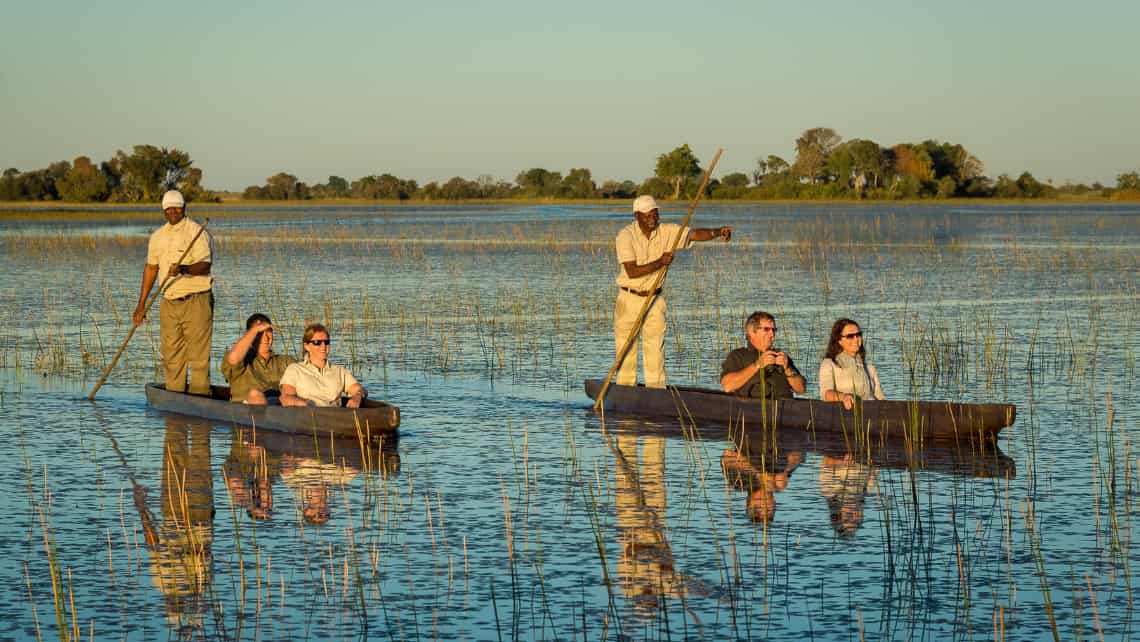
874	420
375	419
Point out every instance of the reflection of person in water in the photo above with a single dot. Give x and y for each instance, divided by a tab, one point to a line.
844	482
645	569
760	477
249	471
311	481
181	558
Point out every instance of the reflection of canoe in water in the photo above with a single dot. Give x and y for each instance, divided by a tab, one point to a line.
381	456
766	448
374	418
875	420
979	459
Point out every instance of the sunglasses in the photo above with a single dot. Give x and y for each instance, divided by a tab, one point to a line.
767	329
853	335
319	342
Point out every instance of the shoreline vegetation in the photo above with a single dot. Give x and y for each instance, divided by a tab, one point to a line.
36	210
240	205
826	169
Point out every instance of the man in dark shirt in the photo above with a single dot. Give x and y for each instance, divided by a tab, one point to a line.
758	370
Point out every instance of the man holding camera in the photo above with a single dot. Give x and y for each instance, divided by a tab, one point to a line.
758	370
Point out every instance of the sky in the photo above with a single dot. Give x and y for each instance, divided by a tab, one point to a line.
429	90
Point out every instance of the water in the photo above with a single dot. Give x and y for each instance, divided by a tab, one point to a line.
507	508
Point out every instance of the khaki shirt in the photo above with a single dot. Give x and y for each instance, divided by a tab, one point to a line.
263	374
167	243
322	386
633	245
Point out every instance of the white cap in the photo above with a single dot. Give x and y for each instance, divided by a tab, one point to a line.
644	203
172	198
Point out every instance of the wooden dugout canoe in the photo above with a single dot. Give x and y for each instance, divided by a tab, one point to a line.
876	420
375	419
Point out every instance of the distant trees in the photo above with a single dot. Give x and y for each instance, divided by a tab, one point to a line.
148	171
825	166
813	149
1127	187
539	182
140	176
83	182
385	186
579	184
767	168
733	185
677	167
279	187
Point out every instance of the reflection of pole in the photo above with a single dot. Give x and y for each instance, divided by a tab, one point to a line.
139	493
649	300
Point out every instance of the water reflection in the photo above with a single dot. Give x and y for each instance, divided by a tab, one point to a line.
645	568
647	573
311	470
761	463
181	561
760	476
844	483
248	473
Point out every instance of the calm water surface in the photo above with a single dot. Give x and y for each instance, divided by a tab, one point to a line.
507	509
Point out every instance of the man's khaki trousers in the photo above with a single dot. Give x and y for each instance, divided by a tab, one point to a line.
187	327
652	339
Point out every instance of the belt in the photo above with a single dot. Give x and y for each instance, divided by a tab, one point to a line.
183	298
641	292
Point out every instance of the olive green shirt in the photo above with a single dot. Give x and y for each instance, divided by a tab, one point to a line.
775	383
263	374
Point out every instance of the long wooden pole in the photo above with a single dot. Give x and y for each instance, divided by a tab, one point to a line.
167	280
649	300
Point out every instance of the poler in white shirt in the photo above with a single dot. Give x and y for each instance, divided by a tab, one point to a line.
643	250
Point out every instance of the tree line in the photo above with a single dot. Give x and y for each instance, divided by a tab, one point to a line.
138	177
825	166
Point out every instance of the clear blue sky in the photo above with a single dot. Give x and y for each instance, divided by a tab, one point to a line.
429	90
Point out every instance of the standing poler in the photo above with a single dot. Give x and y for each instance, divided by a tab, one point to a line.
186	314
643	249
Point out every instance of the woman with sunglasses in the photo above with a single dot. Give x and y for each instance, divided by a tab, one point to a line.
315	381
845	373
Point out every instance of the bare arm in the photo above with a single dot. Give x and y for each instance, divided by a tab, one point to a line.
289	396
356	395
633	270
201	268
733	381
796	381
708	233
241	348
150	274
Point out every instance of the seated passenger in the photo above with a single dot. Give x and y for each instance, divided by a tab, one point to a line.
844	373
251	367
316	382
742	369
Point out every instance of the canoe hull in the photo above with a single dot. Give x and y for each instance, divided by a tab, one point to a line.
376	419
881	420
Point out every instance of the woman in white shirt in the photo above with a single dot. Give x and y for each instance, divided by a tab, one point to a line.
845	373
315	381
